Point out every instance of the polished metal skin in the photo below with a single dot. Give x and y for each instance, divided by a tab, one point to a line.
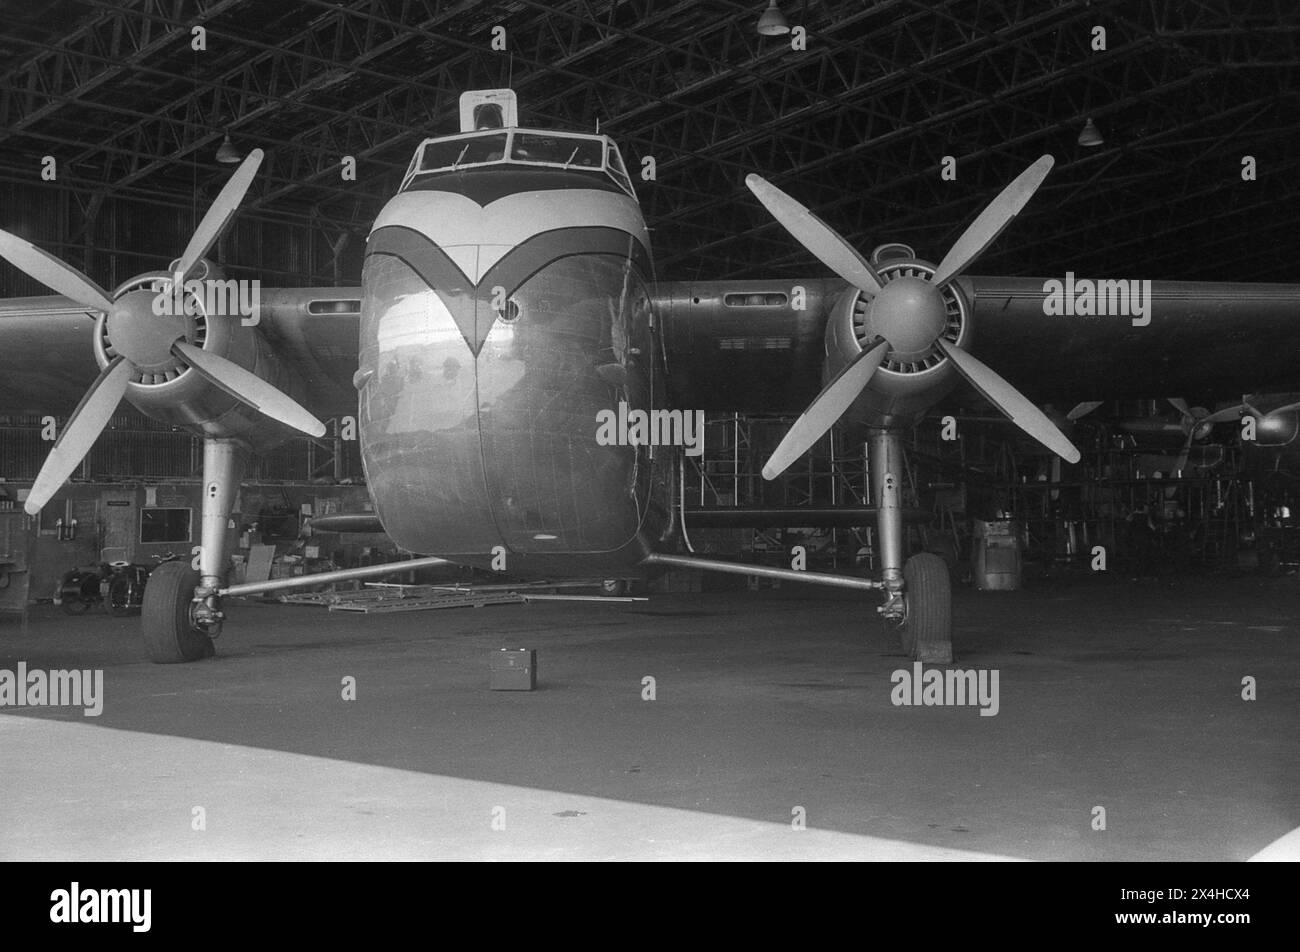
504	308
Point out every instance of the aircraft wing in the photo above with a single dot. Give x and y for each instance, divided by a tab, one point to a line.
46	360
318	332
1206	338
744	346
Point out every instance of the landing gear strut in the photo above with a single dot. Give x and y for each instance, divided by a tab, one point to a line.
182	611
918	595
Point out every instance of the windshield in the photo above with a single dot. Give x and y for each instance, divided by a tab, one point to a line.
557	150
456	153
518	147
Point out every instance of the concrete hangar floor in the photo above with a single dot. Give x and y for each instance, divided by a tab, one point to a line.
771	711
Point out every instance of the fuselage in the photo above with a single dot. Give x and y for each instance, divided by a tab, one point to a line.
504	307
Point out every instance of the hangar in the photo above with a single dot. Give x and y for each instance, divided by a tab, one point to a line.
325	328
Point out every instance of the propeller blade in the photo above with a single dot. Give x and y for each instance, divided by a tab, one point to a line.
1180	464
249	388
1081	410
83	428
1010	402
1234	413
995	217
53	273
1181	405
219	214
815	235
829	406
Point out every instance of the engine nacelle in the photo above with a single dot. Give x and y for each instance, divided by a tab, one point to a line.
173	392
905	386
1277	429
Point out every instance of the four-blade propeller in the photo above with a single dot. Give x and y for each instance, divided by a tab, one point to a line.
908	315
1198	420
142	338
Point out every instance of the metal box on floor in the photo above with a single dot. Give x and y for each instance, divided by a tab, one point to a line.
996	556
512	669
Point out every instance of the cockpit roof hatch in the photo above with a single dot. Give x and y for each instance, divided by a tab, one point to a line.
488	109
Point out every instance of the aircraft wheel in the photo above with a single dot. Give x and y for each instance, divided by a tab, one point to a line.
926	633
169	635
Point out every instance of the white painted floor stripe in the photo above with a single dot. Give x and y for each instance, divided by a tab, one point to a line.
74	791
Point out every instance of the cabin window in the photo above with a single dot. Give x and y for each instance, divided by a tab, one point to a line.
756	299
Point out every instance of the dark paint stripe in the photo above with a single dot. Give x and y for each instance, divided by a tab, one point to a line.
464	300
485	186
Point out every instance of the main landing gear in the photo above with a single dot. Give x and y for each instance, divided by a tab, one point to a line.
182	611
918	594
170	632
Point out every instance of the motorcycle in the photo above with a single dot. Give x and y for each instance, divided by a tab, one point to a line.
118	586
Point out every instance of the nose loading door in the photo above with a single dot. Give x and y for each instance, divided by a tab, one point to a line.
419	408
553	487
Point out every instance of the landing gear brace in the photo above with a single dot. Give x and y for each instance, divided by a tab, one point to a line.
182	611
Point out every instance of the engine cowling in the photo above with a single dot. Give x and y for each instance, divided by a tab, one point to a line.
167	388
1278	429
907	383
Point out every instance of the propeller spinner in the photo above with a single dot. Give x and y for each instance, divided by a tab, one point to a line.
145	342
908	316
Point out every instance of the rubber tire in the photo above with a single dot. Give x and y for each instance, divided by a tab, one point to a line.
926	633
168	635
80	604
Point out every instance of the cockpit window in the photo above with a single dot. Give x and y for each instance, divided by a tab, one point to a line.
557	150
519	147
616	169
458	153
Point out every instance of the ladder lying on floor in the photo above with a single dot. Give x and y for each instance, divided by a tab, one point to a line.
386	597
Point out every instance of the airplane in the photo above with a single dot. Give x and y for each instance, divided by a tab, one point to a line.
508	300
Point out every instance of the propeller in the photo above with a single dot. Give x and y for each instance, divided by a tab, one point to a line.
815	235
223	208
826	409
249	387
1013	404
1196	418
145	344
909	313
1081	410
91	416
